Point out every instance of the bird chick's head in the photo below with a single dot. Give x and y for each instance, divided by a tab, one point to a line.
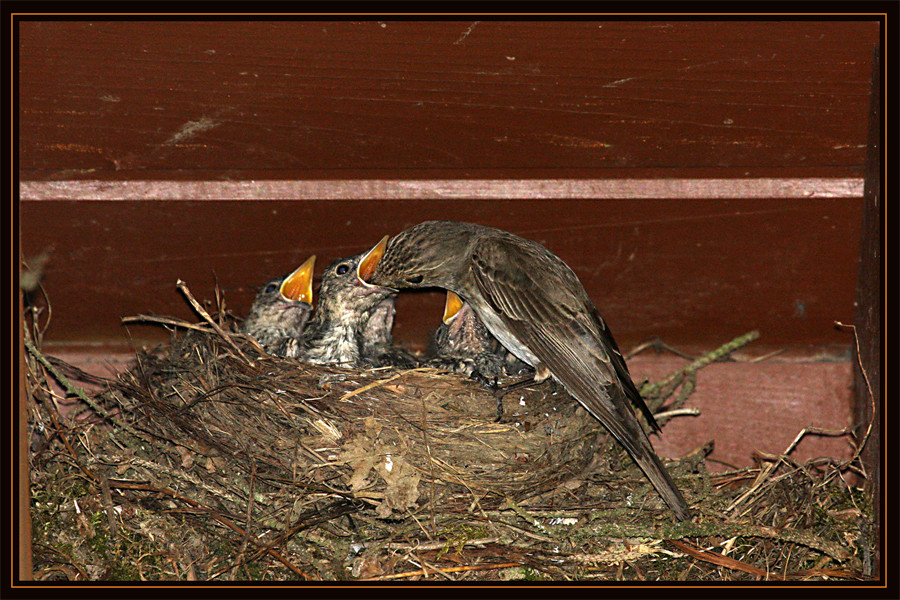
284	303
343	289
430	254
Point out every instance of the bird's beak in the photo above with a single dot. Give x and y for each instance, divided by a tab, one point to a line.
451	307
369	262
298	285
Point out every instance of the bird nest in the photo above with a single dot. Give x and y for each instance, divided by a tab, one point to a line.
394	440
209	459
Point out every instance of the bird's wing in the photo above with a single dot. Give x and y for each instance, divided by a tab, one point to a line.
618	362
544	307
558	328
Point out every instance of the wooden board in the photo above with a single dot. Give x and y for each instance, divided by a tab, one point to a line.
404	99
714	167
695	273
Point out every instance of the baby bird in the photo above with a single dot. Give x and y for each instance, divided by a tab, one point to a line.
281	309
351	325
464	345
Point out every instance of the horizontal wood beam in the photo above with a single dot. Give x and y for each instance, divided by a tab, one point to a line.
486	189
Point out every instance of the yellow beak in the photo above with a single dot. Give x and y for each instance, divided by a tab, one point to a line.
370	261
298	285
452	306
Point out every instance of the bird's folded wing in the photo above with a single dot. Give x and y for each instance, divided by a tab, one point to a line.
618	362
556	326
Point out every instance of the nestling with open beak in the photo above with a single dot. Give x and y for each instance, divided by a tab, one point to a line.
281	309
462	344
534	304
351	325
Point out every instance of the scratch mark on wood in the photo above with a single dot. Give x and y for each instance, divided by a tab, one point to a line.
679	70
620	81
190	129
466	33
572	141
81	148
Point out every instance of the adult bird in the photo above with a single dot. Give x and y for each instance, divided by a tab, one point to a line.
534	304
351	324
281	309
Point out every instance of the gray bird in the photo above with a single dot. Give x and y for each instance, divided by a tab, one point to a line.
281	309
533	303
351	324
462	343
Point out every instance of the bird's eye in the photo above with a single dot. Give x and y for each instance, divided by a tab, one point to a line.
270	288
342	269
415	279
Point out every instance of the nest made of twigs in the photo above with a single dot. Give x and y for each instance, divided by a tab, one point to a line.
209	459
388	438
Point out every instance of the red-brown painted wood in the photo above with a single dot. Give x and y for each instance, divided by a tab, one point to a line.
494	99
695	272
869	407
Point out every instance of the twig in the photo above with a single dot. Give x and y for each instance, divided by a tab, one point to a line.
55	417
108	505
865	375
430	466
165	321
529	519
215	491
680	412
221	519
440	545
424	571
772	466
426	565
379	383
722	560
76	391
618	553
182	287
767	356
672	381
659	346
251	497
804	538
369	386
308	519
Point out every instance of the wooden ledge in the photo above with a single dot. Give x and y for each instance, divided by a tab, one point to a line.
486	189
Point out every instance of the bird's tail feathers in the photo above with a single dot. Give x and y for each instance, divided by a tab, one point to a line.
656	472
626	429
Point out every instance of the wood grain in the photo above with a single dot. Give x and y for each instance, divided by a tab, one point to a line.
387	100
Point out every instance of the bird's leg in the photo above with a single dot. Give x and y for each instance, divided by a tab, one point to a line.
511	387
501	391
491	384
